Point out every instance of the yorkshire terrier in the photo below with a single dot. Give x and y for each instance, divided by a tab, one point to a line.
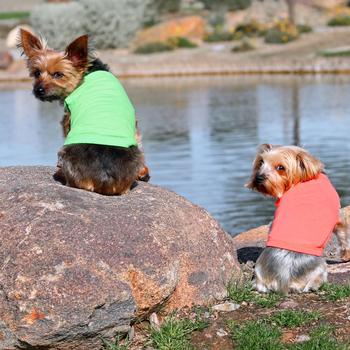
307	213
102	148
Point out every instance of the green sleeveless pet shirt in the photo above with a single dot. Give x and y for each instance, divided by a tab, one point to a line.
101	112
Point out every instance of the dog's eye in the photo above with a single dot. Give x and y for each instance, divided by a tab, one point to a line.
57	75
280	168
37	73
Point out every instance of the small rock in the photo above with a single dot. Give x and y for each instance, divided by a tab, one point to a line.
154	321
226	307
5	60
221	333
206	314
302	338
131	333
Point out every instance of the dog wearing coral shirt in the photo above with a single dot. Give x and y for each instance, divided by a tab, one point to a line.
307	213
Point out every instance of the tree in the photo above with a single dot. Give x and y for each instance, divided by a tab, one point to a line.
291	10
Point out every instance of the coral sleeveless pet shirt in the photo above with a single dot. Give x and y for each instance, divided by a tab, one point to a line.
305	217
101	112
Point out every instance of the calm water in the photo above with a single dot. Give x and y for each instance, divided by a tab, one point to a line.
200	134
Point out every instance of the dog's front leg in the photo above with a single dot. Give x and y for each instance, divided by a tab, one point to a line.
144	171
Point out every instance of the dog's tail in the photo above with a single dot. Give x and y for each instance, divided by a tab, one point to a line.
342	232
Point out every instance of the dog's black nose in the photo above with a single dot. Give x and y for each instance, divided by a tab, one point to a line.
39	91
259	179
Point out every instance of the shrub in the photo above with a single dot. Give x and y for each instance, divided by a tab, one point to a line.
252	28
244	46
283	32
181	42
154	47
231	5
304	28
222	35
340	20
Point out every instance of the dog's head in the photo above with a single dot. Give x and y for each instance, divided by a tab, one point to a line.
278	168
56	74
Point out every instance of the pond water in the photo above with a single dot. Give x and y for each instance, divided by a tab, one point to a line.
200	134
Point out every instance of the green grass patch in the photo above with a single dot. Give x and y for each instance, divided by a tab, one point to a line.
293	318
174	334
241	289
255	335
14	15
181	42
334	292
341	20
116	345
321	338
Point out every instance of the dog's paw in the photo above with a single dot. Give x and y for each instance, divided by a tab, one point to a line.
144	175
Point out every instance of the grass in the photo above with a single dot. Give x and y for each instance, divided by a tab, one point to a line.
255	335
116	345
293	318
321	338
241	290
334	292
154	47
174	333
222	35
14	15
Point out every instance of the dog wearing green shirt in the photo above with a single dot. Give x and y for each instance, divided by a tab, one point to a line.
101	152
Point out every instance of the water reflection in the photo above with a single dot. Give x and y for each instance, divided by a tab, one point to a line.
200	134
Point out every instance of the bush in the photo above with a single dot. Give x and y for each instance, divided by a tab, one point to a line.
253	28
231	5
283	32
158	46
341	20
244	46
304	28
222	35
181	42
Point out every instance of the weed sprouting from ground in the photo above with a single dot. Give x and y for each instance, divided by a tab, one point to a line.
293	318
321	338
256	335
116	345
174	333
334	292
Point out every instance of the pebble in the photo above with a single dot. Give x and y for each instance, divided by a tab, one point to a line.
226	307
289	304
302	338
221	333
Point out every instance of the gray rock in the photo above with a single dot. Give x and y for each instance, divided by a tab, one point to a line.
76	266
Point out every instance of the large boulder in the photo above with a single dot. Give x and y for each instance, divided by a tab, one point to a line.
191	27
77	266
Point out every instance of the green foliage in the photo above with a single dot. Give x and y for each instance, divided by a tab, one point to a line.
340	20
293	318
321	338
181	42
14	15
334	292
167	5
340	53
222	35
174	333
154	47
116	345
241	289
304	28
255	335
252	28
282	33
231	5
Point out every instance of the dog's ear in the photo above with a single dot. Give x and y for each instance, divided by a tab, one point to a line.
264	148
309	165
77	51
29	43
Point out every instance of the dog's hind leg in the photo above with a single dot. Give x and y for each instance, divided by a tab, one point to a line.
342	232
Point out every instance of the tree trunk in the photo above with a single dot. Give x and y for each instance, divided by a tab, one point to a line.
291	10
